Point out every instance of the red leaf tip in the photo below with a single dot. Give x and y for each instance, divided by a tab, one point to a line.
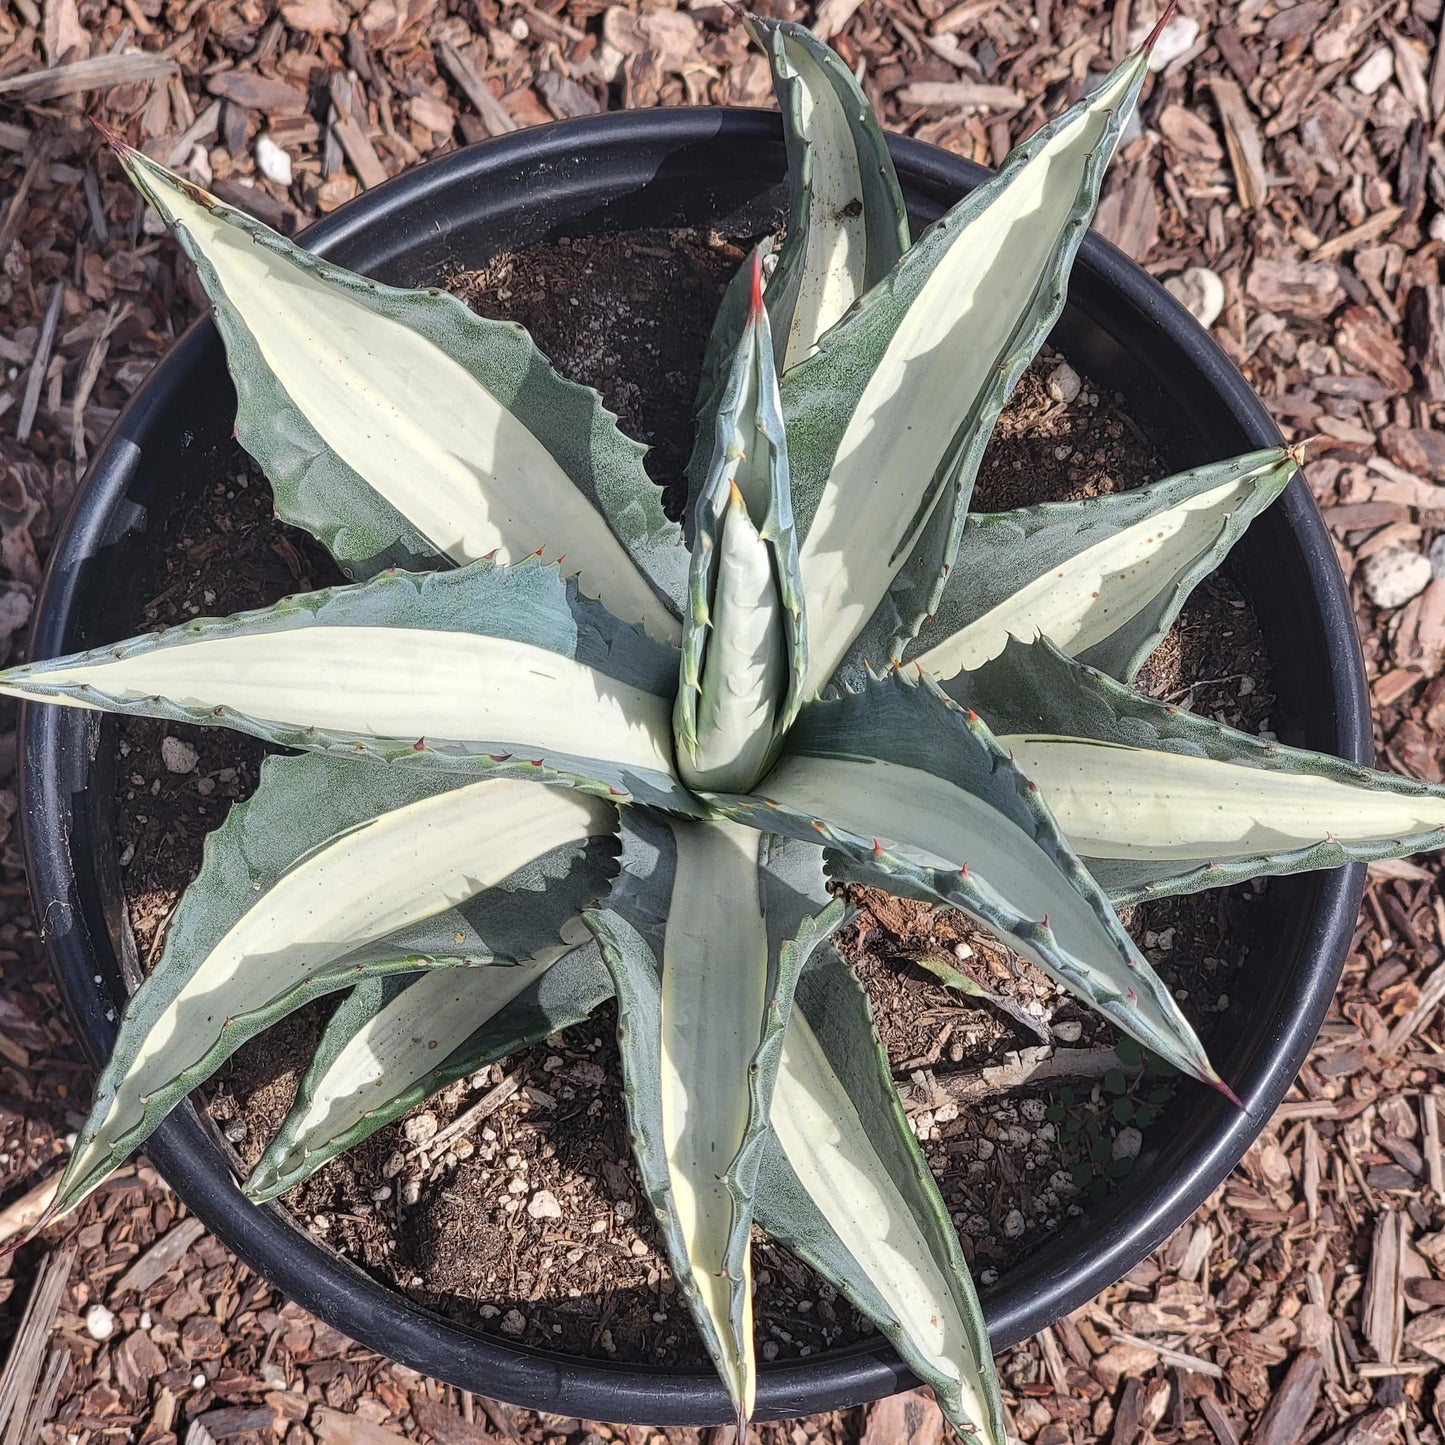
755	303
1159	25
112	138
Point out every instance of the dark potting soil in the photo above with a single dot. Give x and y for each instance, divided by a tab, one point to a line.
531	1224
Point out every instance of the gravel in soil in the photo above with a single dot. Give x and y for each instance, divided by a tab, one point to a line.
533	1225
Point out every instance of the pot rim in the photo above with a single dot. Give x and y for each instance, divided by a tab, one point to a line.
55	747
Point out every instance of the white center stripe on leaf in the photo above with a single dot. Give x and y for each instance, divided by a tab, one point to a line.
836	253
1117	802
1092	595
952	338
830	1152
406	1040
937	825
416	425
398	869
400	683
714	990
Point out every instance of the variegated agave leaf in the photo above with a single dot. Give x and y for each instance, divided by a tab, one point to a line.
487	669
1104	579
1161	801
845	1186
400	428
744	649
379	1055
847	226
704	933
330	872
917	797
888	421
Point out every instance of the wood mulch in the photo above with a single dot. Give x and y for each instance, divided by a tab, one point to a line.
1286	180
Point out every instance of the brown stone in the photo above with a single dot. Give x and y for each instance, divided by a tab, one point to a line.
1309	289
1416	449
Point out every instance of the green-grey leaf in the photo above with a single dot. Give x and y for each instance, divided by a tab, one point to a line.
506	671
379	1055
399	427
1105	578
330	872
955	978
918	797
1205	805
845	1186
744	650
704	934
888	421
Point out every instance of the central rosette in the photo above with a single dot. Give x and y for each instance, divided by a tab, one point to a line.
744	648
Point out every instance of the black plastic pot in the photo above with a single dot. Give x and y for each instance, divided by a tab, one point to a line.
659	168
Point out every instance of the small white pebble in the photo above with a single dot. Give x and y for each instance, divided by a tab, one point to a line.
178	755
1067	1031
381	1193
513	1322
1372	73
1064	384
519	29
1127	1143
272	161
1175	39
273	1375
623	1210
199	165
99	1322
638	1249
420	1128
543	1205
198	1381
1013	1224
962	950
1394	575
1200	291
145	1320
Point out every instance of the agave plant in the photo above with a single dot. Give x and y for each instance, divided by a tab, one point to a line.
522	785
